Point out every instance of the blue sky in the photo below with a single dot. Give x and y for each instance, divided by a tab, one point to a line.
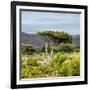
33	22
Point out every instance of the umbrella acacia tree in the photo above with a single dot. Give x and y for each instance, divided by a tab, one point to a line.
56	37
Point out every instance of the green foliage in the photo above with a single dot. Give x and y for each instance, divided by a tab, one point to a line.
71	67
67	47
77	48
62	64
65	60
27	49
59	58
57	37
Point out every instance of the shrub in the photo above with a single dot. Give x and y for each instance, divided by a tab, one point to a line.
62	65
27	49
71	67
59	58
77	48
67	47
38	50
56	63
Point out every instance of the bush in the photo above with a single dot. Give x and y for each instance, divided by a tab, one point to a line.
67	48
27	49
61	65
77	49
71	67
59	58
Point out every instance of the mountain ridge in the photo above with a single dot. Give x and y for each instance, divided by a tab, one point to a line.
38	41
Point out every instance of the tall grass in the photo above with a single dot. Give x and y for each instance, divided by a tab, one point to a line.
61	65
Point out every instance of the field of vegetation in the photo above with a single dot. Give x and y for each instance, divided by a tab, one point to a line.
58	60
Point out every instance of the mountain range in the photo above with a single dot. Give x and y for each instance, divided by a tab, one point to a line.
38	41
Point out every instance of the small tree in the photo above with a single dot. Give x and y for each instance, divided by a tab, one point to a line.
57	37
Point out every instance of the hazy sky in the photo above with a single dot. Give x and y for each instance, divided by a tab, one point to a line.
33	21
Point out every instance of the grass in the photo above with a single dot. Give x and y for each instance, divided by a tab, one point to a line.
42	65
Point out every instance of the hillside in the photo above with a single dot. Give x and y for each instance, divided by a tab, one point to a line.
37	41
32	39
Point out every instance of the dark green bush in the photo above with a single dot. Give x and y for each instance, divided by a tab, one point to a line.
67	47
27	49
38	50
77	49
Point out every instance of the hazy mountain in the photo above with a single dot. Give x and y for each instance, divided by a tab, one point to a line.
38	41
33	39
76	39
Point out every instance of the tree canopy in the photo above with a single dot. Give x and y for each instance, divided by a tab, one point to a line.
57	37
